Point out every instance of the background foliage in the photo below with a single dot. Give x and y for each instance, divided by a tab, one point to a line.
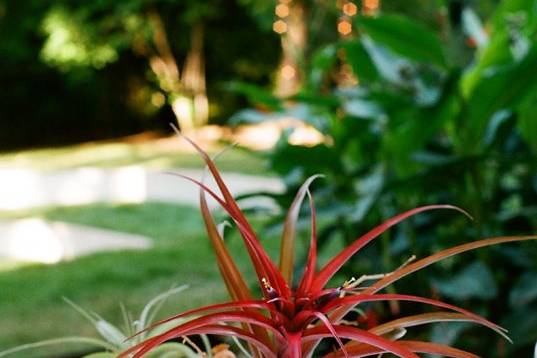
444	113
73	70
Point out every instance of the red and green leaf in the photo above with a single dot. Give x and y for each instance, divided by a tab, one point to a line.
363	350
139	350
344	303
444	254
287	247
339	260
311	262
359	335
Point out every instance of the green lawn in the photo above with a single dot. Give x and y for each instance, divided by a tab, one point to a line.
31	304
157	154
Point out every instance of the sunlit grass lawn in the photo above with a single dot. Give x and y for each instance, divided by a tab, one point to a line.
156	154
31	305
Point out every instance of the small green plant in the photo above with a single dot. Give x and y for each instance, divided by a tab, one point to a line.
290	321
114	340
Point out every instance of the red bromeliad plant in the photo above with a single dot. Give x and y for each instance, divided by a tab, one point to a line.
290	321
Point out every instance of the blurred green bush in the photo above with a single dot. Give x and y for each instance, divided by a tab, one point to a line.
76	70
443	115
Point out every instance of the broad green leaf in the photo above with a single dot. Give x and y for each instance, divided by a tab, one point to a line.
475	281
525	290
360	61
527	124
255	94
323	60
388	65
363	108
474	28
504	89
495	54
416	130
312	160
448	333
494	125
172	350
368	188
521	8
522	324
405	37
513	25
100	355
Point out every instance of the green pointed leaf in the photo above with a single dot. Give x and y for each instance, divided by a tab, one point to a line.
525	290
100	355
505	88
360	61
256	94
172	350
475	281
527	124
287	247
405	37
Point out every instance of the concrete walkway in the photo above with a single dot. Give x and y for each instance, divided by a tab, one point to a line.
24	188
37	240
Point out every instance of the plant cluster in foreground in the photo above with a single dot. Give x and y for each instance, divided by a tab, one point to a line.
290	321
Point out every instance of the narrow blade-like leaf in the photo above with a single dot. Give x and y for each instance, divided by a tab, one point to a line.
420	319
444	254
233	278
418	265
363	350
339	260
330	327
187	328
263	265
140	350
252	304
359	335
287	247
311	263
345	303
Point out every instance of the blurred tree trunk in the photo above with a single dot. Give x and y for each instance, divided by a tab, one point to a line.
193	82
289	77
186	92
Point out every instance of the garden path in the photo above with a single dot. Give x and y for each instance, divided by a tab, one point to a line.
38	240
27	188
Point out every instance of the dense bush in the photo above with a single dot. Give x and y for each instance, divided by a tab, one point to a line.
73	71
444	115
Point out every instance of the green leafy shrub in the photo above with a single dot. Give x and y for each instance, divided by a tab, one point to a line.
432	120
